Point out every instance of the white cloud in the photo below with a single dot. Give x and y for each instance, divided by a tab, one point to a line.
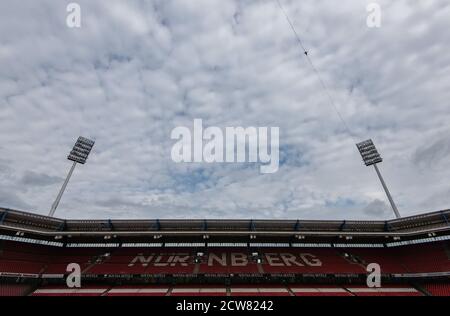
137	69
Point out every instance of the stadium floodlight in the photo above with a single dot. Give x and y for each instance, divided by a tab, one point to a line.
79	154
371	157
81	150
369	153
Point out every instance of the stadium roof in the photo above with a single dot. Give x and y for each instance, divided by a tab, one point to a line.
44	227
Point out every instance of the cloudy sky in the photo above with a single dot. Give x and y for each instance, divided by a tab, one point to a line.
137	69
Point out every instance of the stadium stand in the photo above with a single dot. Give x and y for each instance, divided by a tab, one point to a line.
224	258
49	261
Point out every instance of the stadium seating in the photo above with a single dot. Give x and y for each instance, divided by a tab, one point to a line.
384	291
135	290
14	289
49	261
20	267
64	291
438	289
45	262
314	261
318	290
199	290
423	259
237	290
388	259
259	290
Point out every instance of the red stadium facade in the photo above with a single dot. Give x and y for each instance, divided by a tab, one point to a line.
224	258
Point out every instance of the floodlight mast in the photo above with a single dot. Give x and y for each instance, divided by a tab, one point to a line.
79	154
63	188
370	156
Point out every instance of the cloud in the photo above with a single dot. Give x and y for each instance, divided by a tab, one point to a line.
377	209
12	200
434	154
137	69
39	179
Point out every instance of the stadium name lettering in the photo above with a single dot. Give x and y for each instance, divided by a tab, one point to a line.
225	259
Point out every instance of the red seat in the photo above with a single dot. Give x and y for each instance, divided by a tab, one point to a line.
438	289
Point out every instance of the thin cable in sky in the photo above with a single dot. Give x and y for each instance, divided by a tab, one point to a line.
322	82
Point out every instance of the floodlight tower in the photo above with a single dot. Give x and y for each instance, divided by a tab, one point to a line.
370	156
79	154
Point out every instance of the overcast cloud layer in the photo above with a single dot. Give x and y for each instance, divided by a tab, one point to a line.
137	69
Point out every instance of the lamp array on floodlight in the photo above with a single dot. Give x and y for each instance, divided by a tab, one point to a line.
81	150
369	153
